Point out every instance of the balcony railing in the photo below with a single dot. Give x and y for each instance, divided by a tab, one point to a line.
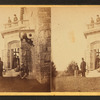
20	23
93	25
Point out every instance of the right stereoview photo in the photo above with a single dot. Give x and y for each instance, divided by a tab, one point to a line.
75	49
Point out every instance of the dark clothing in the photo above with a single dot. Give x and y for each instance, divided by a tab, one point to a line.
83	74
15	19
97	63
14	65
76	70
1	68
98	20
76	67
24	70
83	68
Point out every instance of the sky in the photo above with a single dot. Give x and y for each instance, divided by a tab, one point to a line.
68	27
6	12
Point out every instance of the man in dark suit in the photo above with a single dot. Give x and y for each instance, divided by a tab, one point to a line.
83	67
1	67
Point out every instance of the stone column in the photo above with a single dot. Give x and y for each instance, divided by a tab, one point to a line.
44	42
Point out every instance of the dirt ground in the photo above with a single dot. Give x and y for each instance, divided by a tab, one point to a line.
19	85
77	84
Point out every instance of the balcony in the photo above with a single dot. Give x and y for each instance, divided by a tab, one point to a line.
15	27
94	25
20	23
92	29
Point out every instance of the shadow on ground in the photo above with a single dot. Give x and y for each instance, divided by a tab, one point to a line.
25	85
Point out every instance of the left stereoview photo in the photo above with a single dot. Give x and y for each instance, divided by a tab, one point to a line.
25	44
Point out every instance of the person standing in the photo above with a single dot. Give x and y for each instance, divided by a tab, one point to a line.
98	19
97	60
15	18
83	67
14	65
9	22
1	67
76	70
92	22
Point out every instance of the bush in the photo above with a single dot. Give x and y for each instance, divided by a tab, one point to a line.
71	68
54	72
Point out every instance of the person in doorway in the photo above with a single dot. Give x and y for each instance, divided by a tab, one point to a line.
24	71
17	69
14	65
97	62
17	59
83	67
1	67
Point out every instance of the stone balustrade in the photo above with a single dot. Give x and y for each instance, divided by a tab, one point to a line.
16	24
93	25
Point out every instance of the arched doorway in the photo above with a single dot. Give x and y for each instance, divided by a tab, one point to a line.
95	55
13	54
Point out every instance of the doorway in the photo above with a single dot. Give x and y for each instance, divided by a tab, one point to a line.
97	59
15	57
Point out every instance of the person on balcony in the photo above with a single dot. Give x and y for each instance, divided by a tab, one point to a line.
92	22
98	19
15	19
9	22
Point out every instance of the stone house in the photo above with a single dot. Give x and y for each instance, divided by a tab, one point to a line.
92	35
29	40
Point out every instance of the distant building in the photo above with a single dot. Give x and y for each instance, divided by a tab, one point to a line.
92	35
34	25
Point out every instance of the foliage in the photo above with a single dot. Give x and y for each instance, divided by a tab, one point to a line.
54	72
71	68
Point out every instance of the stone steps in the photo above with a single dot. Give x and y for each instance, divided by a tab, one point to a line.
11	73
94	73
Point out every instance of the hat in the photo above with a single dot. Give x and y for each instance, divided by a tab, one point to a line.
82	58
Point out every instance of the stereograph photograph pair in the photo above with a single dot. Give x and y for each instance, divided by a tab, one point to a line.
50	49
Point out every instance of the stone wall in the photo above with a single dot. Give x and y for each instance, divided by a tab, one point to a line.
44	42
40	20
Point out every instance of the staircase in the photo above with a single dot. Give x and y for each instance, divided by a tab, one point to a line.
94	73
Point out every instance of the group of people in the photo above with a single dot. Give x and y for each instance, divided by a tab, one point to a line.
15	20
82	70
23	69
97	21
